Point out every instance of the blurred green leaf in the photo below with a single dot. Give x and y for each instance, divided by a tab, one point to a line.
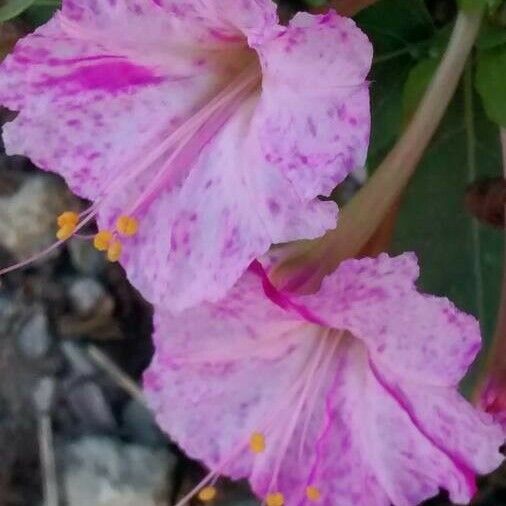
478	4
491	36
396	24
400	32
469	4
460	258
40	13
315	3
387	82
419	78
490	82
12	8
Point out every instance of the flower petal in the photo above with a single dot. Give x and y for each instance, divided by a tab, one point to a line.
470	436
314	117
419	336
235	352
228	211
409	466
102	84
226	19
437	438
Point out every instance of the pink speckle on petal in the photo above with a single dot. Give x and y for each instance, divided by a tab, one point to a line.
110	77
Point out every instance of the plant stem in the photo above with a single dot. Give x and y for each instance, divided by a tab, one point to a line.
363	215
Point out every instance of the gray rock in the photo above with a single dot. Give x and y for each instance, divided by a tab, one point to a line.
44	393
78	359
89	406
239	502
235	493
83	395
139	425
100	471
86	259
86	295
34	339
29	215
92	315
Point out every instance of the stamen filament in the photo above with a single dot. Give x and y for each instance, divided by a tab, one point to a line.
334	340
65	232
195	490
328	416
289	431
46	251
233	353
244	83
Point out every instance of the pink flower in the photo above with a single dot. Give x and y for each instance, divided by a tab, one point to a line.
348	396
203	131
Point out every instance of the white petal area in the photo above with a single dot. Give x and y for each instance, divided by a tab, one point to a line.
230	209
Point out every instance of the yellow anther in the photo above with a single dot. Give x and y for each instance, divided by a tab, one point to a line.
68	218
65	232
102	240
275	499
114	251
126	225
207	494
257	442
312	493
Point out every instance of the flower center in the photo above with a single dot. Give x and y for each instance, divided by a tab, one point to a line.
164	167
181	148
285	425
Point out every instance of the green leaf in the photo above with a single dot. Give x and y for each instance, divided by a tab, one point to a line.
12	8
39	13
315	3
490	75
401	32
477	4
418	81
387	82
460	258
396	24
421	74
491	36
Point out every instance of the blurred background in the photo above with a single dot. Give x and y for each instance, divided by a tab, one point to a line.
75	336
